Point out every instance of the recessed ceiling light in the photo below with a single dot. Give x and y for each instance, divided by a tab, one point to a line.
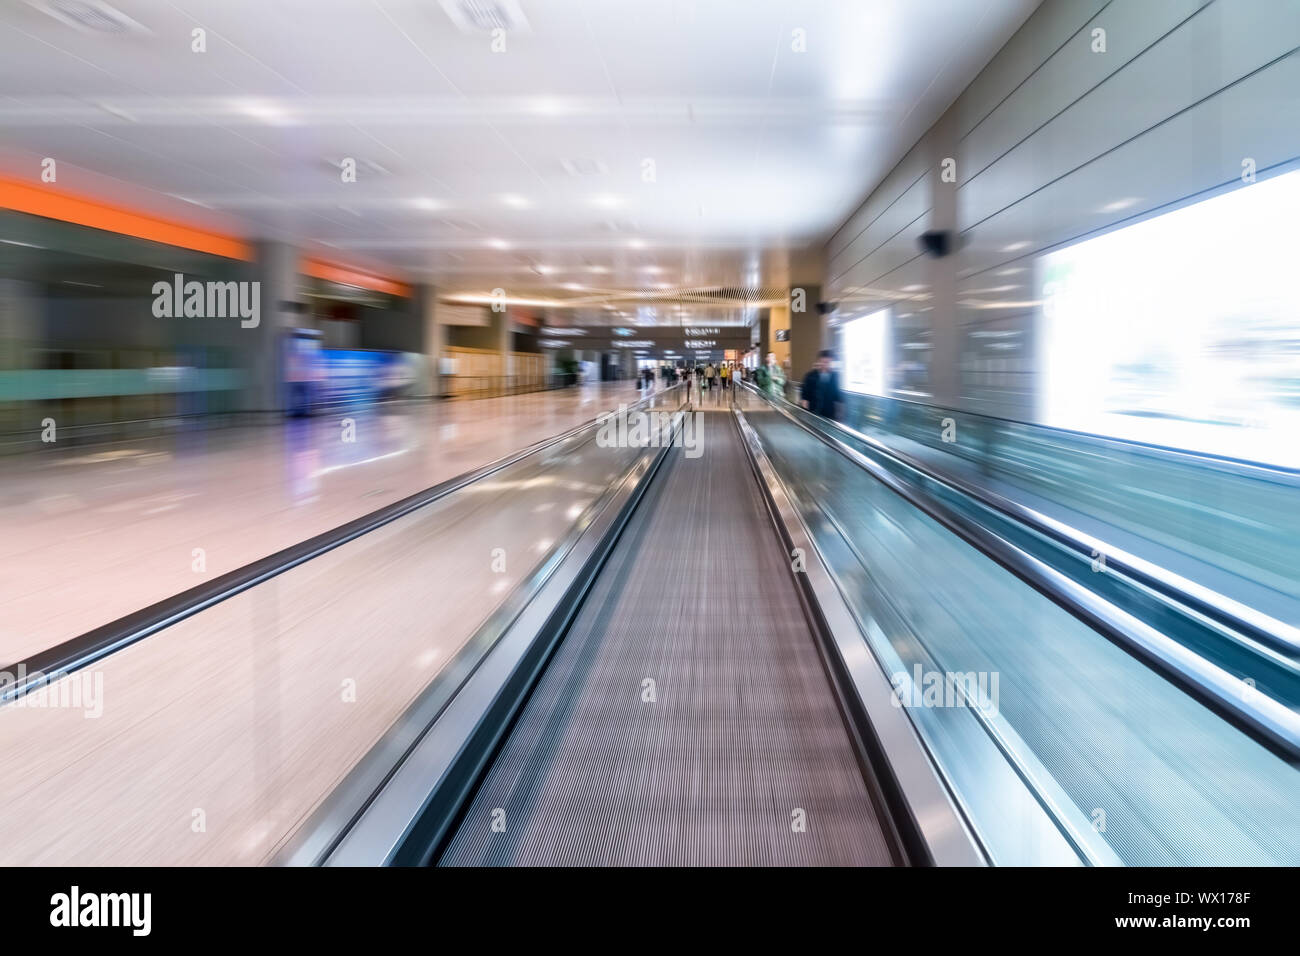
515	201
498	244
266	112
653	270
571	285
425	203
635	244
1015	246
1119	204
606	201
917	287
548	106
545	270
597	270
1009	272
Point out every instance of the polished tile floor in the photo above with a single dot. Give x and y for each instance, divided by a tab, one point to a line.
213	741
91	533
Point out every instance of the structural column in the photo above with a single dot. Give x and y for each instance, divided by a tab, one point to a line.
20	329
276	268
20	332
499	328
808	330
424	303
778	321
945	332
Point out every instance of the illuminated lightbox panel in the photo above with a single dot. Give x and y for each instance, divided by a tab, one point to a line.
865	362
1182	330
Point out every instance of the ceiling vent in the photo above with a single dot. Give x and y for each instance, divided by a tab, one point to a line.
484	16
584	167
89	15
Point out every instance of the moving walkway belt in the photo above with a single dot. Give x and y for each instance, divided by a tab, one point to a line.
685	717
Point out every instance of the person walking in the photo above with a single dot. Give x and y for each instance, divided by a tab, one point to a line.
820	393
774	377
710	376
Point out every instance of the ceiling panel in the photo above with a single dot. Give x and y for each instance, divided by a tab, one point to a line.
474	165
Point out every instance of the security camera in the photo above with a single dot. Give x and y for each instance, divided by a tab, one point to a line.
938	242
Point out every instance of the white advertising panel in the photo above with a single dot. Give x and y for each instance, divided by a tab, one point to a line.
865	362
1182	330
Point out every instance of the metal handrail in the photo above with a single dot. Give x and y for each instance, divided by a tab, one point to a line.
1225	463
1268	720
1058	839
1257	625
98	643
925	816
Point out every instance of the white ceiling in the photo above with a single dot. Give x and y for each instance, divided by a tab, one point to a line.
521	169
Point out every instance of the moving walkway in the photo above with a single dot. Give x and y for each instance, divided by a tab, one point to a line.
1092	753
671	697
795	648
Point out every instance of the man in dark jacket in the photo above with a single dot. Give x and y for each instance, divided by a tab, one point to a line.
820	393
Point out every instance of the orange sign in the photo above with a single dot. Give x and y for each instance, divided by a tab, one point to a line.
345	275
46	202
